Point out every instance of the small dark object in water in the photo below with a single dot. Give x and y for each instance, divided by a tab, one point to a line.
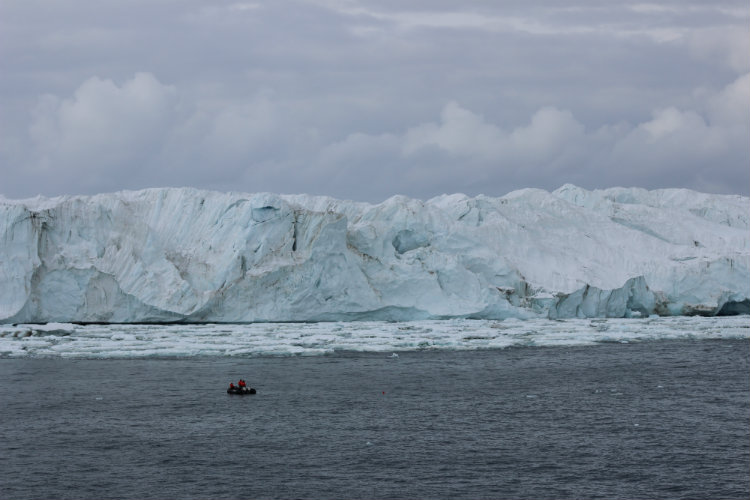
241	390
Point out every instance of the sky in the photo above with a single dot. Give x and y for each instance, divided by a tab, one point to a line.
363	100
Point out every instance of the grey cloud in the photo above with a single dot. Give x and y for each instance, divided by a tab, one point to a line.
675	147
727	45
367	99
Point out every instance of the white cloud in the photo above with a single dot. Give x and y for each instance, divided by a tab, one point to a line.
142	132
460	132
103	127
731	106
670	121
464	134
241	6
537	20
361	99
550	134
727	44
465	150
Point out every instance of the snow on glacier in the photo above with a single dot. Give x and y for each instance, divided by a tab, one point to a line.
185	255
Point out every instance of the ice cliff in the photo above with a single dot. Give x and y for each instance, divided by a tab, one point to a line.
162	255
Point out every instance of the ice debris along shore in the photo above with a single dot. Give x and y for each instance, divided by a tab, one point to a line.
64	340
185	255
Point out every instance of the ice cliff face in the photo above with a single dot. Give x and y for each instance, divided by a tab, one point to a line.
198	256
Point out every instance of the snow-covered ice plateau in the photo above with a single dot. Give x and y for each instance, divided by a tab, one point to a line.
191	256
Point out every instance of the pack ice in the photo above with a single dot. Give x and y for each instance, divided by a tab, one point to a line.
162	255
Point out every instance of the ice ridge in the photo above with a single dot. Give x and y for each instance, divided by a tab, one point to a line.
186	255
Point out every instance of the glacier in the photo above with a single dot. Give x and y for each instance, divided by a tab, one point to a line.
191	256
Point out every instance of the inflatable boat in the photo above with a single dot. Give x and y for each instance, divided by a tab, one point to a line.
240	390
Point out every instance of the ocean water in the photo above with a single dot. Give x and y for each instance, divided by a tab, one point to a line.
634	416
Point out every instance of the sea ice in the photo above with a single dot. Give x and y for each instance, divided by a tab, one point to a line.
313	339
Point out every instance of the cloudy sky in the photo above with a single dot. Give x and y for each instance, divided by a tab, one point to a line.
366	99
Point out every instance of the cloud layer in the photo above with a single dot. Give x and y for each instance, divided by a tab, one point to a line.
343	99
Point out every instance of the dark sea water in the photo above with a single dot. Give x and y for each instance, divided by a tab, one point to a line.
663	419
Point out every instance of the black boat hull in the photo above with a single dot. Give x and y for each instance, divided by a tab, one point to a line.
240	391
